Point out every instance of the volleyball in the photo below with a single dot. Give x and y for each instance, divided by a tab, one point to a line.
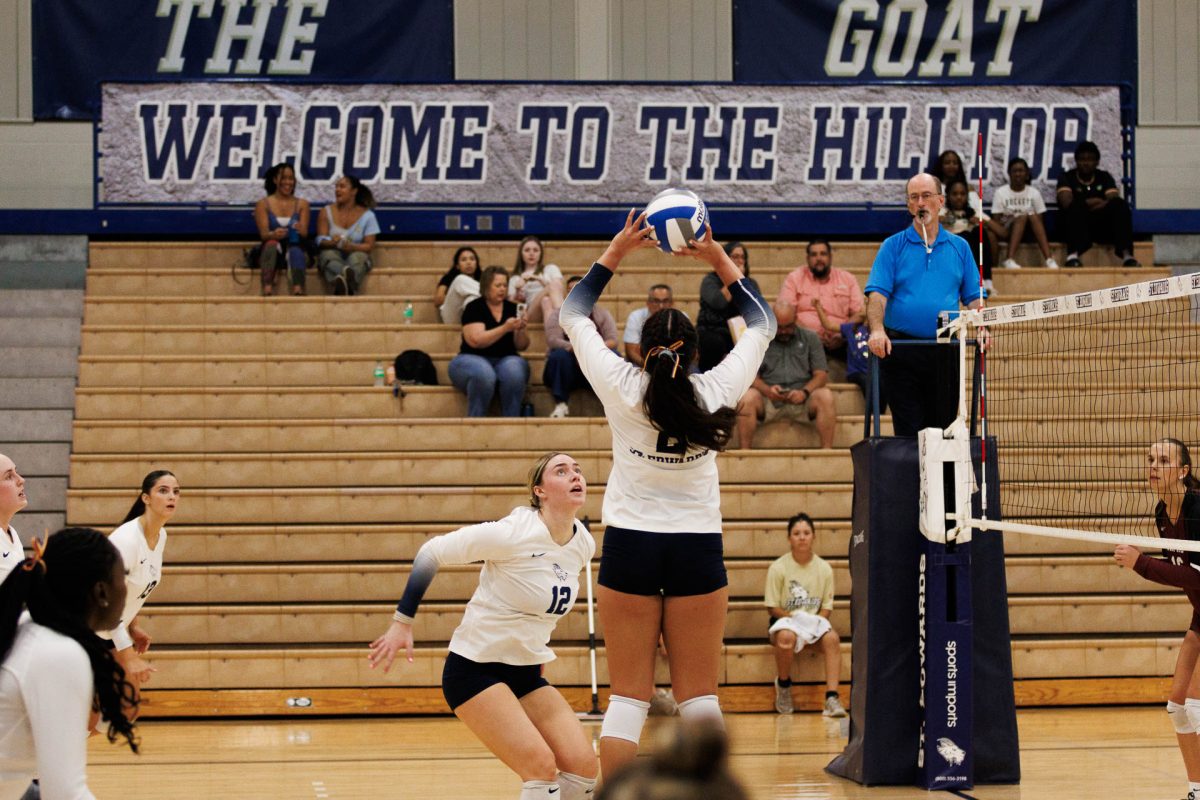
676	215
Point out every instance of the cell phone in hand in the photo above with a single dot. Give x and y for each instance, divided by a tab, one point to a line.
521	310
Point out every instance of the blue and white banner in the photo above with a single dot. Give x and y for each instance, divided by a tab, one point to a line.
952	41
78	43
609	144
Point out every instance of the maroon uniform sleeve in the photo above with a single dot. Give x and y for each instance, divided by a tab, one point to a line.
1173	572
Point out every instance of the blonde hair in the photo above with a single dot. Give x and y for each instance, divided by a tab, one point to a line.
536	472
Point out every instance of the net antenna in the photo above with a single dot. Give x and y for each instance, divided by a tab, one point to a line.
1080	386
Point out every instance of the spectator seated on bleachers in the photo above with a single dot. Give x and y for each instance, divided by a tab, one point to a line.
562	374
959	217
1017	209
459	286
835	290
536	284
658	298
346	231
487	361
282	220
717	308
1090	209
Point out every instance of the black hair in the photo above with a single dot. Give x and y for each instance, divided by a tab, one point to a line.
808	247
459	252
656	287
730	247
519	267
695	764
139	506
800	517
1087	147
968	211
1190	482
1014	161
936	168
362	195
670	400
58	592
271	177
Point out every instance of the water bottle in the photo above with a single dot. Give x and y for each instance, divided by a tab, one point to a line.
408	314
379	373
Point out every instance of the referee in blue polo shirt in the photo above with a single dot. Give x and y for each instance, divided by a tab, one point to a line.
917	273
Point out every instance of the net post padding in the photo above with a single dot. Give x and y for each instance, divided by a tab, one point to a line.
885	548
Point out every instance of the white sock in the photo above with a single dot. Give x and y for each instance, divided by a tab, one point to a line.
540	790
576	787
1193	790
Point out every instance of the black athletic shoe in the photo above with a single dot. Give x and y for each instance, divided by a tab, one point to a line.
339	285
1074	262
351	283
1131	262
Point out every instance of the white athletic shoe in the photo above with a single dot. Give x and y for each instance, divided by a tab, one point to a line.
560	411
1010	264
833	708
1051	263
783	699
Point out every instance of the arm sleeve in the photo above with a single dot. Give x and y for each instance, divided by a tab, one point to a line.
120	637
58	696
710	293
827	589
1162	571
882	277
486	542
772	594
551	272
370	224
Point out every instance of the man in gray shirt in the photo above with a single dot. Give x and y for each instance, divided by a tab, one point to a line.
790	383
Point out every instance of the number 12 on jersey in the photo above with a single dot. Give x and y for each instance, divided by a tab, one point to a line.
560	598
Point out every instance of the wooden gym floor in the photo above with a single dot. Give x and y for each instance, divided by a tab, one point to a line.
1066	754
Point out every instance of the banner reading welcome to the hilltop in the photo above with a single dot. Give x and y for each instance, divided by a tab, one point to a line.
583	143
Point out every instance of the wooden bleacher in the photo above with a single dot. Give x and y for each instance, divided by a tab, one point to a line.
307	490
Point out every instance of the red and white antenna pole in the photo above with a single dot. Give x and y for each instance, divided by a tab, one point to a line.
982	351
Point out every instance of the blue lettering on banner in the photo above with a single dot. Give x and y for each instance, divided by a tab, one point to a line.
659	121
236	141
587	148
468	160
370	116
180	144
760	130
541	121
314	116
727	143
719	142
415	145
825	144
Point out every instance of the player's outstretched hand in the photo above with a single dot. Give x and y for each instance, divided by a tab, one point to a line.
384	650
1126	556
705	248
633	236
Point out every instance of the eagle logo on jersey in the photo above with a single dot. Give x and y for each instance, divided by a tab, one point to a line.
798	597
560	573
948	750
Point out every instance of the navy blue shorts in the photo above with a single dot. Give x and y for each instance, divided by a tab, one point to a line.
666	564
463	678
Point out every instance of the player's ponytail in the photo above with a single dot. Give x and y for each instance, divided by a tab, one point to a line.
57	586
670	344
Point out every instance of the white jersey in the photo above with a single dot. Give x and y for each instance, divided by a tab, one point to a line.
45	697
143	572
12	552
527	585
654	485
1027	201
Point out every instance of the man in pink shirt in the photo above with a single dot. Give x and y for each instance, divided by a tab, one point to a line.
835	290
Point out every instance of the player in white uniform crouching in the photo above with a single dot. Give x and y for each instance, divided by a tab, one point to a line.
493	675
142	540
663	567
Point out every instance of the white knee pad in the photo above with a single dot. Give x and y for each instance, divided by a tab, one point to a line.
1192	707
575	787
624	718
702	708
1179	717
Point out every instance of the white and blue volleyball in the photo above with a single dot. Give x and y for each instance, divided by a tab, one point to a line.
677	216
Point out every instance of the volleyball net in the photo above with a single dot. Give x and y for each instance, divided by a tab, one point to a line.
1074	390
